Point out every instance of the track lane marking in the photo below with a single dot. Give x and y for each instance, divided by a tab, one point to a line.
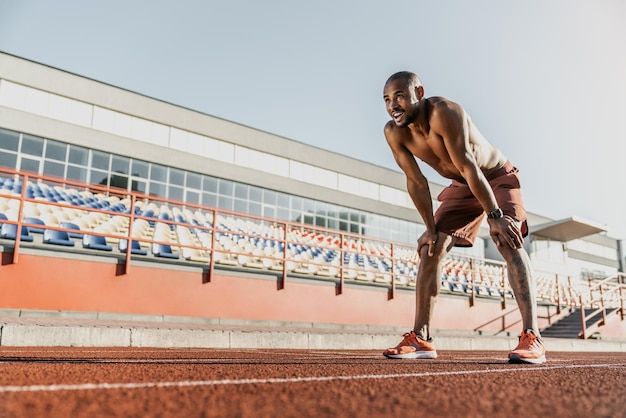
239	382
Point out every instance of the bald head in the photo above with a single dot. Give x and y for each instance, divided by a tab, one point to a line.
410	78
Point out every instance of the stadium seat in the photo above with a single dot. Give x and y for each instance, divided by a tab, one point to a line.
163	250
37	221
194	254
9	231
52	236
72	225
96	242
135	247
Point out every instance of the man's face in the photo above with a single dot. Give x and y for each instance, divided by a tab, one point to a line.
401	101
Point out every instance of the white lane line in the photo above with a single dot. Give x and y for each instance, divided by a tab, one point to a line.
238	382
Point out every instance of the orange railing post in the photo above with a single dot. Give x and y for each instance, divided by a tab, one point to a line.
472	282
20	217
130	235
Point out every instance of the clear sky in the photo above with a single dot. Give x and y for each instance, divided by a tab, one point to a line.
545	81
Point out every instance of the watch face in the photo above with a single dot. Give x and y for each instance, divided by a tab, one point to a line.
495	214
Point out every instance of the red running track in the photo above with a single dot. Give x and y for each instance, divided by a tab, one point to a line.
135	382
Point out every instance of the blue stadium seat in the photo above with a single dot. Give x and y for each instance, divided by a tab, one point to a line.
52	236
37	221
163	250
72	225
135	247
96	242
9	231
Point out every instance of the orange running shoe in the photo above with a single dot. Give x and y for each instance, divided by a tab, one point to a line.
412	347
530	349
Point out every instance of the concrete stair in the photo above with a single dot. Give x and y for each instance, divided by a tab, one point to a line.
571	325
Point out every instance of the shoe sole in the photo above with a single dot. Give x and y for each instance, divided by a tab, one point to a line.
414	355
515	359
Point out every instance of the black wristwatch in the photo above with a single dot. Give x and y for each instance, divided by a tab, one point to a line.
495	214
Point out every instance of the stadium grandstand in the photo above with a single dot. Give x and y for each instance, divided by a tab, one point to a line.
111	201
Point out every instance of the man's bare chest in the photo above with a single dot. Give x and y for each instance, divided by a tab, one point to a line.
431	149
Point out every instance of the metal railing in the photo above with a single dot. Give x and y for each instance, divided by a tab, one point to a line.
604	294
355	258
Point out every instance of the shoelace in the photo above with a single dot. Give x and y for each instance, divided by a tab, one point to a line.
406	336
531	341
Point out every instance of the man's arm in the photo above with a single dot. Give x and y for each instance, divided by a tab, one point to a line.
417	184
449	121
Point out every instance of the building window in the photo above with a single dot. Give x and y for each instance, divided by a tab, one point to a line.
32	145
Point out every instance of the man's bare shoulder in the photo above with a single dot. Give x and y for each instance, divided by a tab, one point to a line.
441	104
392	130
443	111
396	136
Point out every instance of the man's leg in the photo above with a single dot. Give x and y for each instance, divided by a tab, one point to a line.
530	348
522	283
416	344
427	284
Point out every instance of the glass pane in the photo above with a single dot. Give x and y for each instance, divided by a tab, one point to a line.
177	177
9	140
175	193
32	145
209	199
8	160
256	194
138	186
225	202
157	189
56	150
332	210
52	168
225	188
308	205
77	173
139	169
269	197
241	206
100	160
320	208
283	214
29	165
192	197
98	177
119	181
255	209
209	184
78	155
119	164
282	200
241	191
194	181
158	172
296	204
269	212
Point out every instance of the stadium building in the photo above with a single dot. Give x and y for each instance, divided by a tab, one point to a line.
276	230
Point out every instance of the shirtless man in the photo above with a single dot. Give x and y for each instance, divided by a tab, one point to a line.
442	135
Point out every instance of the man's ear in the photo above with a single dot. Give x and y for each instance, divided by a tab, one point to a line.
419	92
